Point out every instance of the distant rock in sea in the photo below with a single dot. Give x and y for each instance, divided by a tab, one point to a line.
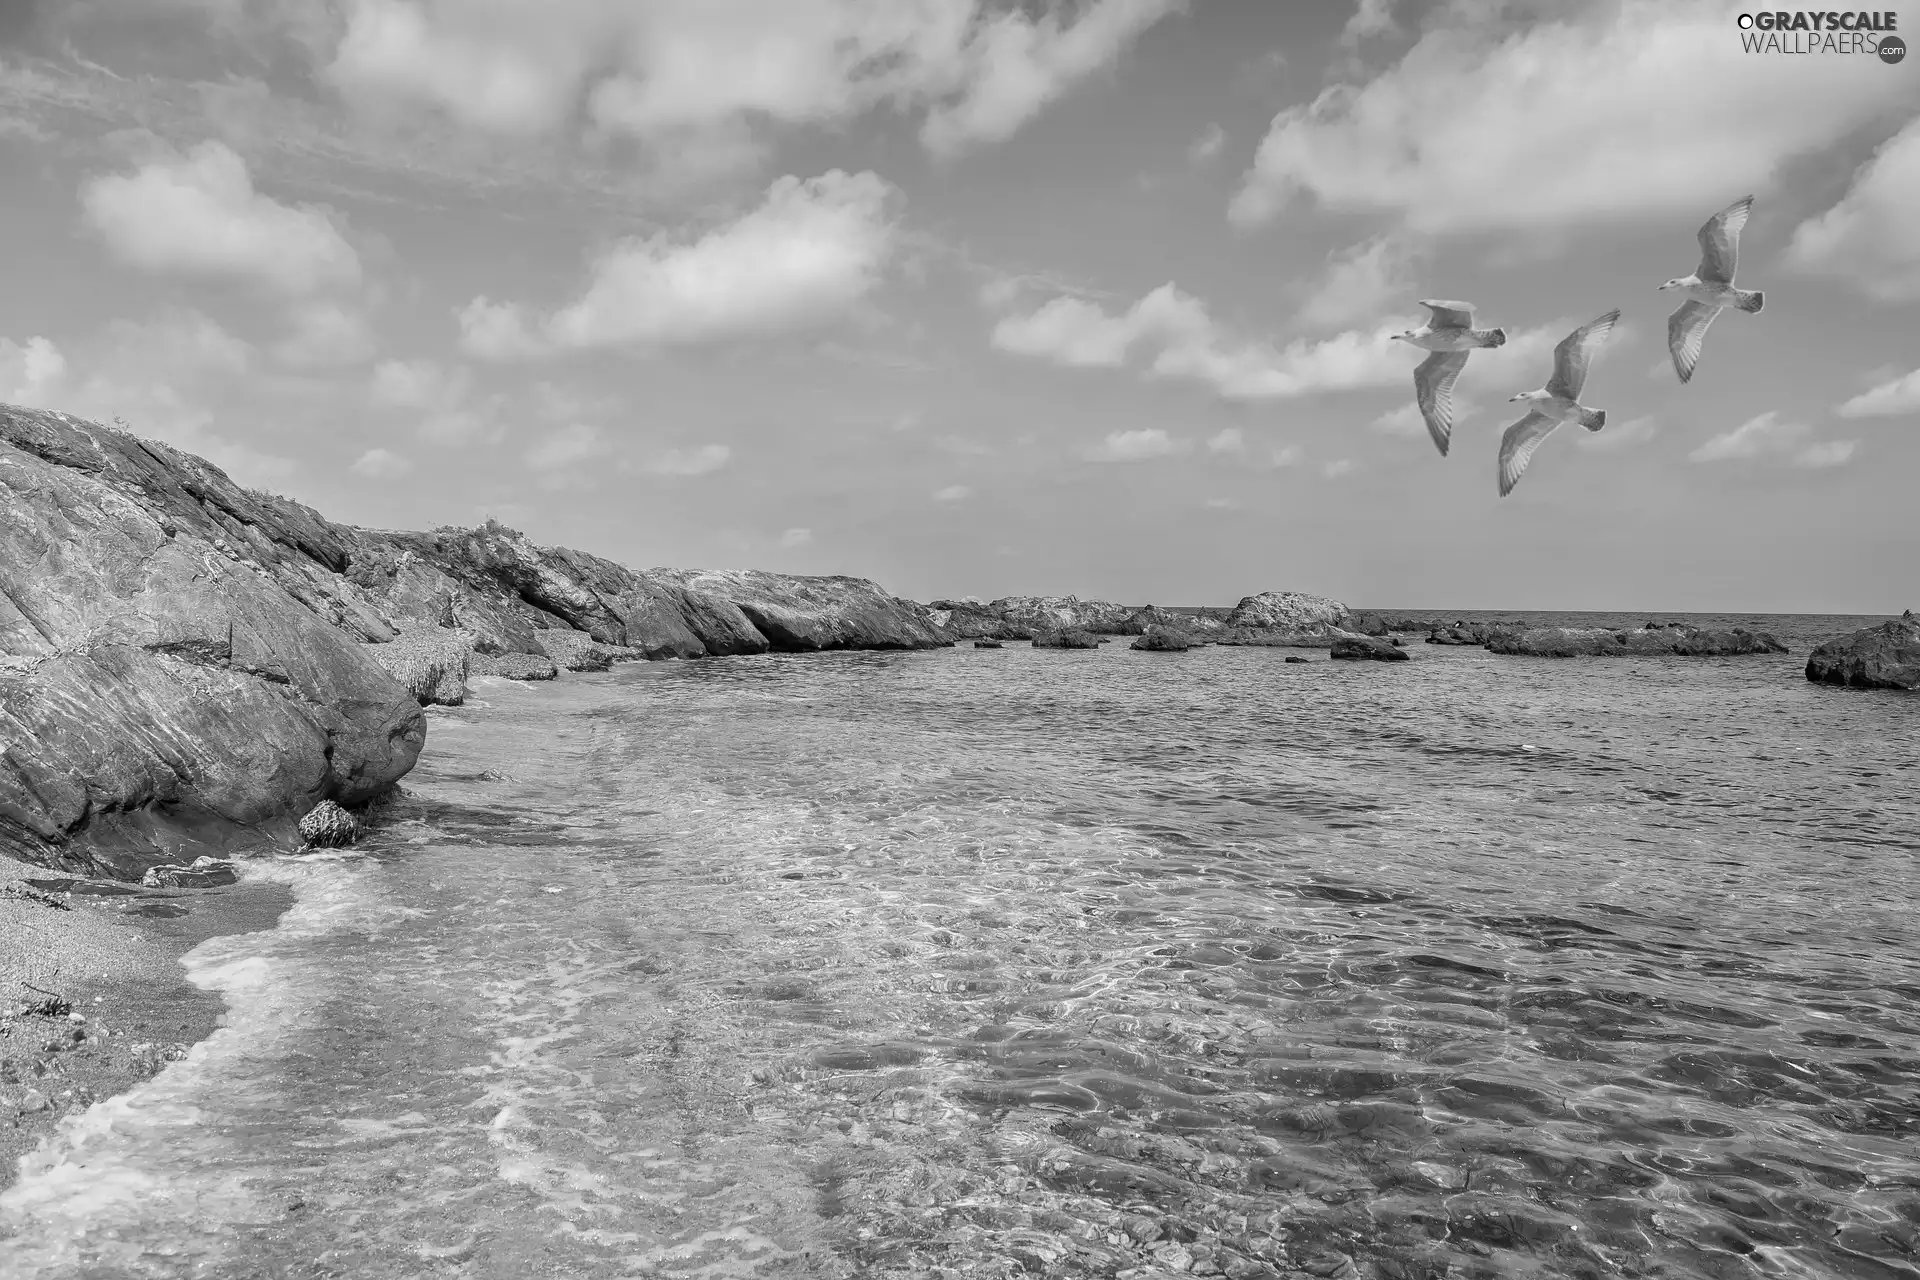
1882	657
1460	632
988	644
1067	639
1598	642
1162	639
1367	649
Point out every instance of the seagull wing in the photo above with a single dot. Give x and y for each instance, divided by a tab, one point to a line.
1517	446
1433	388
1720	242
1686	330
1575	353
1449	315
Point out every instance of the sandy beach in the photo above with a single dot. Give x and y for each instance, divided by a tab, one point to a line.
92	996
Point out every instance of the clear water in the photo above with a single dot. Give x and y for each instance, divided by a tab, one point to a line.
1002	962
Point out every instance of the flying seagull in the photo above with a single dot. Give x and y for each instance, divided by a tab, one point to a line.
1710	290
1557	402
1450	335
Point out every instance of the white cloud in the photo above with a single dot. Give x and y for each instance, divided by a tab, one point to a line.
689	77
571	444
440	399
1221	504
1897	396
796	537
30	371
1359	281
1337	468
326	335
1285	457
806	253
1211	142
382	464
1618	436
1189	344
1229	440
199	214
1638	107
691	462
1872	236
953	493
1769	436
1370	18
1136	446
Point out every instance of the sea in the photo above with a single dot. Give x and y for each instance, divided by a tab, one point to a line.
1023	962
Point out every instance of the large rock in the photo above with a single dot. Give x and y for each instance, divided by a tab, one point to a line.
1163	639
1882	657
1366	649
431	661
1069	639
1286	611
163	691
1461	632
803	614
1062	613
1649	641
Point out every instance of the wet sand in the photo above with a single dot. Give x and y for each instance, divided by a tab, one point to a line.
113	955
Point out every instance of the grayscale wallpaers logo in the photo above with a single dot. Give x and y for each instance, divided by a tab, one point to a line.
1802	31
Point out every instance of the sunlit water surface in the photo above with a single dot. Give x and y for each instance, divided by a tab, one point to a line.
1001	962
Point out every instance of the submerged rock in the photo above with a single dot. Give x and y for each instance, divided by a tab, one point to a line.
1882	657
1472	633
1365	649
432	664
987	644
1163	639
202	873
513	666
1065	640
1294	657
1581	642
167	688
329	826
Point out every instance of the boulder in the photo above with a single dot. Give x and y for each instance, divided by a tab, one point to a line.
1882	657
1065	640
1163	639
512	666
578	651
1062	613
328	826
806	614
1294	657
1366	649
201	873
431	662
165	690
1598	642
987	644
1286	611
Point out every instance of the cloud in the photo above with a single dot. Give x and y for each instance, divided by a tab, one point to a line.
1211	142
1898	396
953	493
1337	468
1229	440
1136	446
1359	281
30	370
1641	107
1769	436
796	537
805	254
327	335
1871	237
692	79
440	398
690	462
1631	432
1221	504
1370	18
1188	343
199	214
1285	457
571	444
382	464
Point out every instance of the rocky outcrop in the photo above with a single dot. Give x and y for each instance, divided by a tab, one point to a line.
989	644
1882	657
512	666
1461	632
796	614
164	688
578	651
1071	639
972	620
1032	614
430	662
1286	611
1163	639
1366	649
1654	640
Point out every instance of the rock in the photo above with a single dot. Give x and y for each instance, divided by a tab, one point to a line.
1397	642
1365	649
1065	640
328	826
1581	642
1882	657
32	1102
987	644
430	662
171	693
202	873
1163	639
1286	611
1061	613
512	666
578	651
808	614
971	620
1294	657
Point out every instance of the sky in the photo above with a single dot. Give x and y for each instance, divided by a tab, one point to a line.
981	298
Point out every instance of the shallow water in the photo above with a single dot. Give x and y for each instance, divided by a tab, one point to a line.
992	962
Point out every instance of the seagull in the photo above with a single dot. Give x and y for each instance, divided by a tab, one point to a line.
1557	402
1710	290
1450	335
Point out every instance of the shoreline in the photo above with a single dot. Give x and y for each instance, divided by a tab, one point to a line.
116	957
